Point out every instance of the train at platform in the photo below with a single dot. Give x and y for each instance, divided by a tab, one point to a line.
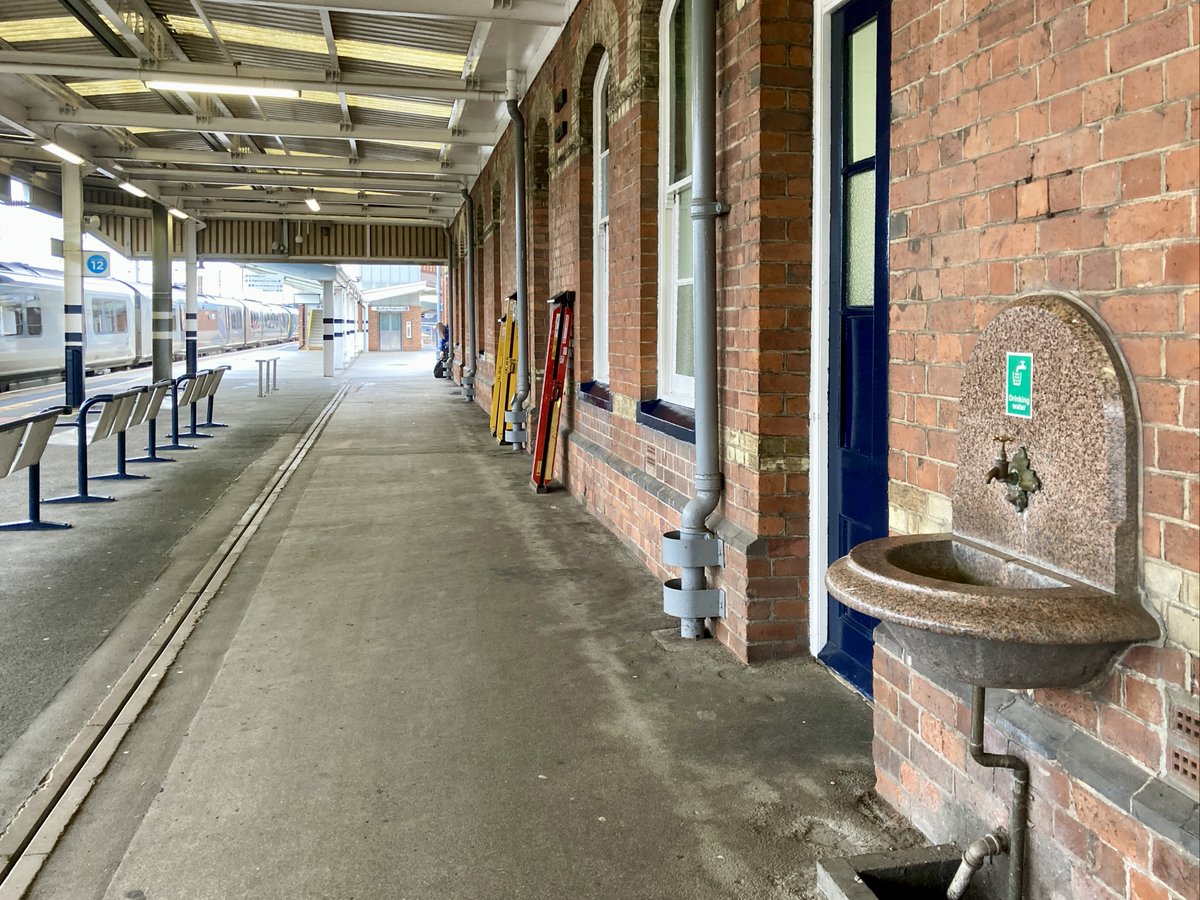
118	324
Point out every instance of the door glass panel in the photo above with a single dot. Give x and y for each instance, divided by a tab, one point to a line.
860	239
685	355
862	93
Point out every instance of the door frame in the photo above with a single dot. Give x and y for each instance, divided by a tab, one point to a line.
818	420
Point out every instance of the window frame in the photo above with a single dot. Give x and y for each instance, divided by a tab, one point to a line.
601	157
672	386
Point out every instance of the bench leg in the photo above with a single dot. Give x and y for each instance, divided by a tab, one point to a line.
120	473
151	446
34	523
82	474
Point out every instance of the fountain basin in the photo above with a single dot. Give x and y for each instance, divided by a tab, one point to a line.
985	617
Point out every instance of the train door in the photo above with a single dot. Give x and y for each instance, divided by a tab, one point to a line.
858	310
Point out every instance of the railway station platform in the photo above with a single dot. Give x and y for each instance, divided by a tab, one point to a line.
417	679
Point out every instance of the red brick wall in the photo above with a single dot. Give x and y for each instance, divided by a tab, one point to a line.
1050	146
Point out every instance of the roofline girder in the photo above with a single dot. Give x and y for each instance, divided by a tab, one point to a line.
227	125
32	62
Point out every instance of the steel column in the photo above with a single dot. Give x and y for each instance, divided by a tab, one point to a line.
519	417
468	374
327	323
191	306
161	284
72	210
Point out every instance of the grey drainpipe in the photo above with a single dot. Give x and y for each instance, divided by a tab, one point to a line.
468	374
693	547
448	299
516	415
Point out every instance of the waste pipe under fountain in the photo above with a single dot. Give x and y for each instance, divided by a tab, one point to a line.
994	844
516	417
694	547
468	372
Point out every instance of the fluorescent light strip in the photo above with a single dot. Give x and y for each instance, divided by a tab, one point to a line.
195	87
311	203
132	189
177	213
63	153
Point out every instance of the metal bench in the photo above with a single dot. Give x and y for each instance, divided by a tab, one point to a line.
115	414
145	409
22	443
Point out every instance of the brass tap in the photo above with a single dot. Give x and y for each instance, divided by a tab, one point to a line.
1000	469
1020	479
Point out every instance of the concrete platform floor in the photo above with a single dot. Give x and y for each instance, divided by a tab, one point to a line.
421	680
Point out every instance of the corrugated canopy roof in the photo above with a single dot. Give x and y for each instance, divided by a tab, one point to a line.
385	95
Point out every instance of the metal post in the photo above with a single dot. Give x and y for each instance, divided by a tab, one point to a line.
519	416
468	374
72	209
161	249
191	306
339	349
1019	814
327	322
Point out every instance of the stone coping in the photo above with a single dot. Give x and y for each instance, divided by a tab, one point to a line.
734	536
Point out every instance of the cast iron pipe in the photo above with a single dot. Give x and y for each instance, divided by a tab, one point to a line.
1020	804
514	113
972	859
468	372
704	212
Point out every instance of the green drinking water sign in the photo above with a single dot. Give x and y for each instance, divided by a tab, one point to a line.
1018	395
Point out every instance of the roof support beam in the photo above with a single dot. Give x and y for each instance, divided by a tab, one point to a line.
163	177
297	209
306	163
13	115
354	219
523	12
448	199
33	62
320	130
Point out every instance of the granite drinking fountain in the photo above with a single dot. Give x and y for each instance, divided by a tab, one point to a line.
1038	584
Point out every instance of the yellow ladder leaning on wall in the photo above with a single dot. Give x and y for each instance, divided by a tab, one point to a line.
505	384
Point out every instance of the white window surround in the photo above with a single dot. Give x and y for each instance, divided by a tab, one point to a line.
674	219
600	160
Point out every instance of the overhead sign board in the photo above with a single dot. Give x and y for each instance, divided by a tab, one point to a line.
96	263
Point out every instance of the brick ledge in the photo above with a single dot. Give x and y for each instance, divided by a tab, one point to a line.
735	537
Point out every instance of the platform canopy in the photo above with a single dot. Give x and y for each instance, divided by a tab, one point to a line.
376	111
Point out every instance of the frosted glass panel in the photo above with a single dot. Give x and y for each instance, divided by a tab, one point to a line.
860	239
861	121
685	354
683	233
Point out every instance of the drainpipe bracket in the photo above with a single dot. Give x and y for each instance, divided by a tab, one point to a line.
691	551
709	209
693	604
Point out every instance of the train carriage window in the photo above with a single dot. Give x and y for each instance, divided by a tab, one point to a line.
109	316
20	315
12	318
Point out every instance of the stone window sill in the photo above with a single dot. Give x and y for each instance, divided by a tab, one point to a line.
677	421
597	394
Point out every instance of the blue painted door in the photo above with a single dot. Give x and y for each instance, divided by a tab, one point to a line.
858	316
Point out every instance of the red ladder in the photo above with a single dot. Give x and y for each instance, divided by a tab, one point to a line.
550	408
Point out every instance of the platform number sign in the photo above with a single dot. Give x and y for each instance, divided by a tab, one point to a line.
1018	394
96	264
